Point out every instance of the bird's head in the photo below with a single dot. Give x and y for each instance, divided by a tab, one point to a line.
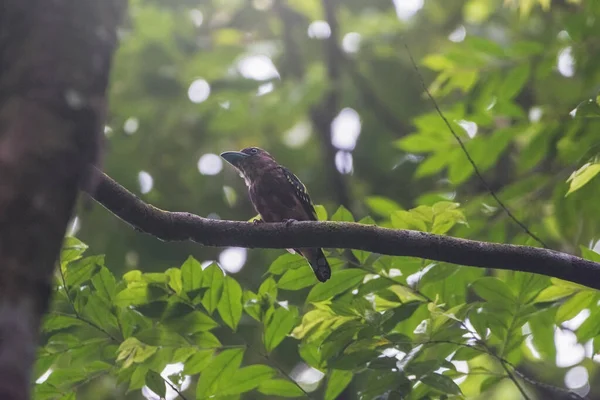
251	162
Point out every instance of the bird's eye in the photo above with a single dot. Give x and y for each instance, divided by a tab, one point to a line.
253	150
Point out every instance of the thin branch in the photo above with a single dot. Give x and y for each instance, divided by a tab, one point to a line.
281	370
88	322
182	226
513	378
471	161
174	388
76	313
489	351
511	374
568	394
502	361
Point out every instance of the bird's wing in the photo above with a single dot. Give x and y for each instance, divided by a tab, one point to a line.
300	192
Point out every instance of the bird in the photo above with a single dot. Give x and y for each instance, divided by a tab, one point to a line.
278	196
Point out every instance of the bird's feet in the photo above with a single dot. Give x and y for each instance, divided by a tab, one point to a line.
289	222
257	221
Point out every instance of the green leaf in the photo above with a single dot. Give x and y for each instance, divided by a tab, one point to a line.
248	378
133	276
105	284
82	270
590	327
286	262
230	305
339	282
321	212
466	353
424	213
400	314
382	206
213	279
182	354
191	274
515	80
268	287
570	308
298	278
528	286
175	279
280	387
438	62
438	272
97	312
588	109
494	290
206	340
383	363
420	143
136	377
220	370
134	295
582	176
155	277
559	289
156	383
442	383
342	215
160	336
54	322
408	220
432	164
252	305
374	285
524	48
589	254
64	378
490	383
133	351
199	360
192	322
459	168
72	249
542	330
353	360
443	206
337	382
444	221
279	326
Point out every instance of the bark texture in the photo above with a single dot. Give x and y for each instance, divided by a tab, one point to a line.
55	58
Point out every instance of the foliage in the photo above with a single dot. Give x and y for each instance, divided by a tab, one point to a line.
516	80
390	320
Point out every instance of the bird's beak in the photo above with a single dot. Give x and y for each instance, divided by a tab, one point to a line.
234	157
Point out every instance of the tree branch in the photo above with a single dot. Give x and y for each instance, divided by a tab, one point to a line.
469	158
182	226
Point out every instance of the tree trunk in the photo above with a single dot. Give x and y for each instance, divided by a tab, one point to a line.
55	58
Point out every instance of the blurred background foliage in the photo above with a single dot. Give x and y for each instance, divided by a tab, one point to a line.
328	88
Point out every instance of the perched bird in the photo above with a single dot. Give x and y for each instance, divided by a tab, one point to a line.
278	196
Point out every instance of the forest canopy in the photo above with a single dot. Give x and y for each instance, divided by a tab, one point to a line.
475	119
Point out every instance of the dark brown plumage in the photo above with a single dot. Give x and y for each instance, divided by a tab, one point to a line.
278	196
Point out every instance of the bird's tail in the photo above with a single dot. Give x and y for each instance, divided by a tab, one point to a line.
318	262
